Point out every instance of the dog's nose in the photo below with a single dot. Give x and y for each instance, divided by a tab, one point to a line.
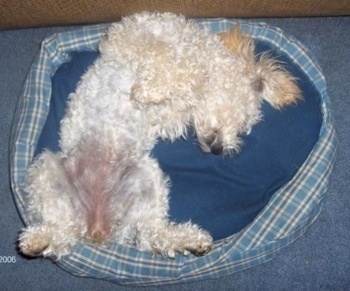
216	149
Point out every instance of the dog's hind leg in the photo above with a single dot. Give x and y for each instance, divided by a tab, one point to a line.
51	231
170	238
154	232
46	240
34	240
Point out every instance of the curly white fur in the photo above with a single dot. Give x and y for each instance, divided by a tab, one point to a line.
157	74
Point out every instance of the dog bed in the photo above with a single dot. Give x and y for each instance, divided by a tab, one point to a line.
253	203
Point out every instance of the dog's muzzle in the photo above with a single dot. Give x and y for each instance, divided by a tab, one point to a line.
216	149
214	145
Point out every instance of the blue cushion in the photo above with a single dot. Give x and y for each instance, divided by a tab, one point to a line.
222	194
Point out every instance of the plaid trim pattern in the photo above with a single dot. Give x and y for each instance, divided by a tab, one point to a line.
289	213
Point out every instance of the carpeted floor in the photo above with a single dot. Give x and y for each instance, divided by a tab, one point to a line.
320	260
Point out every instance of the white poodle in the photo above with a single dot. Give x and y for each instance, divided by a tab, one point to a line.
157	74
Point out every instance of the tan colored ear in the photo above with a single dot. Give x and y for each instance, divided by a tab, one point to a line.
275	84
238	42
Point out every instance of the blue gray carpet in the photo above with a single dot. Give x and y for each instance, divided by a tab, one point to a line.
320	260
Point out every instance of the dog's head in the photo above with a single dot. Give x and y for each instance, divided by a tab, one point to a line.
232	102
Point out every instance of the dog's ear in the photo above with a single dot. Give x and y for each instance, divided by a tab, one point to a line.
269	79
274	84
238	43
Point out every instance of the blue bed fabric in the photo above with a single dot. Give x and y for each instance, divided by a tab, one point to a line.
221	194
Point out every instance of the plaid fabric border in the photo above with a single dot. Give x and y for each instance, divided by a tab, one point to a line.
290	212
33	105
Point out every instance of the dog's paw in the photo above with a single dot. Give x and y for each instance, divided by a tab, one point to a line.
198	243
201	244
171	239
33	243
200	249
